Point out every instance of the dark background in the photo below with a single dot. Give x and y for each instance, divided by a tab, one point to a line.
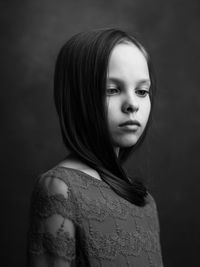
32	34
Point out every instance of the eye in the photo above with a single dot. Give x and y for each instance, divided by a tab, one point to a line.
142	92
111	91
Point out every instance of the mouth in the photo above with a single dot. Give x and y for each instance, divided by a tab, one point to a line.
130	128
132	124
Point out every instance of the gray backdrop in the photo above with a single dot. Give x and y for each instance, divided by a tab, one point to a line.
32	34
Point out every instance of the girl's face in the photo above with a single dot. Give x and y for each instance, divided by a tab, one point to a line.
127	95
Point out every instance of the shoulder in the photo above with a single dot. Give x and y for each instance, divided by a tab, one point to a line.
50	183
151	200
62	182
151	203
55	181
53	194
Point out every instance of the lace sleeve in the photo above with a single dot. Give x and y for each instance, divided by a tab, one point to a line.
51	238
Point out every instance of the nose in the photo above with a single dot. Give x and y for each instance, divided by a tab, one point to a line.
130	105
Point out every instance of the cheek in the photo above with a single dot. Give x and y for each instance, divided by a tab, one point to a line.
111	118
111	111
146	110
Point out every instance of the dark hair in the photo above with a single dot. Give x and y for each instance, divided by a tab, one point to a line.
79	94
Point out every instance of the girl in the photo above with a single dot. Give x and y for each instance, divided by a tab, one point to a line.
86	211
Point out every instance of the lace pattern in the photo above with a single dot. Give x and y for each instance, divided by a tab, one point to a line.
61	245
108	246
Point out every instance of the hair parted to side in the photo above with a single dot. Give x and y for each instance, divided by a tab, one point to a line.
80	97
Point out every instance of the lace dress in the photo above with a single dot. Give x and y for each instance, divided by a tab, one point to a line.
77	220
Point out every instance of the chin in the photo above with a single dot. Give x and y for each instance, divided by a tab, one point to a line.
127	142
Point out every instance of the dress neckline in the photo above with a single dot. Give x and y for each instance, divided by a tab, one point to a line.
81	172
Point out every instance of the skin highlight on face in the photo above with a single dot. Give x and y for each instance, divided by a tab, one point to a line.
127	94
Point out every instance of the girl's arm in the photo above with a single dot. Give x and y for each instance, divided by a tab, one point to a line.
51	239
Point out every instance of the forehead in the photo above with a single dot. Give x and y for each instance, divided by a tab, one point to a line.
126	60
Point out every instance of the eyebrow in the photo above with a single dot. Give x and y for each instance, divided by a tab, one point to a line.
121	82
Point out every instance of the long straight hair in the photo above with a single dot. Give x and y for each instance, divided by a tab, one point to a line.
80	97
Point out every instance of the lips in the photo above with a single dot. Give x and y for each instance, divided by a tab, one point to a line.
130	122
